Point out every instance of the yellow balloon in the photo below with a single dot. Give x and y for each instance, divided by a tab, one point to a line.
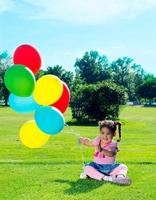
31	136
48	90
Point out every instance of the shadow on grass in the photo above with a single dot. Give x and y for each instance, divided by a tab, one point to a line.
140	163
16	162
81	123
69	162
80	186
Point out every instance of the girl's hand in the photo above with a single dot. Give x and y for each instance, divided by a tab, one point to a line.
85	141
82	140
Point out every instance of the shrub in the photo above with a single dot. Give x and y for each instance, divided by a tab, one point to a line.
97	101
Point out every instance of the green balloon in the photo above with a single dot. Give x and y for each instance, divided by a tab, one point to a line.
19	80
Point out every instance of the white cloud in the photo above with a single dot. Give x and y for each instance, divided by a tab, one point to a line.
89	11
79	11
6	5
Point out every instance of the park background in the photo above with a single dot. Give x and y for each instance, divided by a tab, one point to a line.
105	52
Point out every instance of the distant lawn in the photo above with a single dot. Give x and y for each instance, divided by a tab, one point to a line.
52	173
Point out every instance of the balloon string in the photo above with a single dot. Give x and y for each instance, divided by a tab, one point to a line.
77	135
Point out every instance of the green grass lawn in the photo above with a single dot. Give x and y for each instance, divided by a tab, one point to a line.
52	172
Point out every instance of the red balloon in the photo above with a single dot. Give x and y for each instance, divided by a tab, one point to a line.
63	102
28	56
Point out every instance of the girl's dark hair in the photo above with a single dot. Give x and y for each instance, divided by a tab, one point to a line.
112	126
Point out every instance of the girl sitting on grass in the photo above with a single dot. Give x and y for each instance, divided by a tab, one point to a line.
104	167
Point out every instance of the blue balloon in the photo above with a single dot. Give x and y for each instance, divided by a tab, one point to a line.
22	104
49	119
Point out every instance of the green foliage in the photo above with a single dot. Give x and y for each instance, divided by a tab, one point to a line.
92	67
40	73
149	77
5	62
97	101
66	76
127	74
147	90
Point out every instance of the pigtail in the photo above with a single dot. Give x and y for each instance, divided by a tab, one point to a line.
118	124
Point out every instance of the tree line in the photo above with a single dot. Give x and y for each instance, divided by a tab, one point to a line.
91	70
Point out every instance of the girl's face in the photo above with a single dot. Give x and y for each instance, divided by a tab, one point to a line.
106	135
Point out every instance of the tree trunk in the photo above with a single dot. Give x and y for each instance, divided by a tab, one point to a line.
6	101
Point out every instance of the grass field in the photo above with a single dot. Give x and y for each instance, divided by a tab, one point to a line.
52	173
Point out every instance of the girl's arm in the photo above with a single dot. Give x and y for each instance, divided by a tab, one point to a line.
86	141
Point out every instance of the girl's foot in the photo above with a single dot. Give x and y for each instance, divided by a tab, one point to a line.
121	181
83	175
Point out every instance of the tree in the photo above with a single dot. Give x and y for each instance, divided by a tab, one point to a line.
40	73
149	77
127	74
148	90
66	76
77	81
5	62
92	67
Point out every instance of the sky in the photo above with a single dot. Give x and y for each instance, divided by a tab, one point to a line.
64	30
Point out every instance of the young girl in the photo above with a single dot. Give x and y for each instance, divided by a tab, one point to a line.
104	166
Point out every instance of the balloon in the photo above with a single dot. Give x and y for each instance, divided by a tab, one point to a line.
28	56
19	80
63	102
31	136
48	90
22	104
49	119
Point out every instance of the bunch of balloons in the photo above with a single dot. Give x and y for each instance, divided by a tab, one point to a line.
48	97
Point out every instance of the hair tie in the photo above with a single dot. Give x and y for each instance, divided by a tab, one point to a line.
115	123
